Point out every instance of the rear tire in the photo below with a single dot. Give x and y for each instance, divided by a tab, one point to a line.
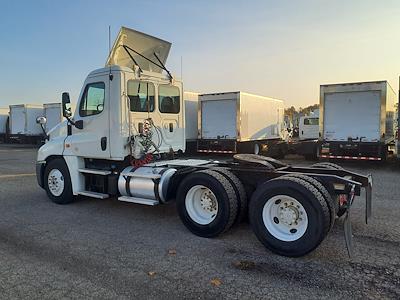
327	165
333	206
240	192
57	182
206	203
289	216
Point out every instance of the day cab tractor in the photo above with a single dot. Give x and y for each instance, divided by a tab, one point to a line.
126	139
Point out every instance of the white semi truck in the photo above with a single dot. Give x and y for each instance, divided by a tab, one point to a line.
357	120
124	141
238	122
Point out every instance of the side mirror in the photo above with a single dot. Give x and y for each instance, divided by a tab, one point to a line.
66	105
41	120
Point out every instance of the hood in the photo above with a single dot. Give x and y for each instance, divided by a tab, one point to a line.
142	43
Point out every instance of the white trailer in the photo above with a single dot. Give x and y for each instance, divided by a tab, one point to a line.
357	120
53	114
3	123
23	126
191	100
125	138
235	122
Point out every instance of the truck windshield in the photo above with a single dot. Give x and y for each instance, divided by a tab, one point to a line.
168	99
141	96
311	121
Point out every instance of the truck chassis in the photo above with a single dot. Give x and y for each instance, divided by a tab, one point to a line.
290	209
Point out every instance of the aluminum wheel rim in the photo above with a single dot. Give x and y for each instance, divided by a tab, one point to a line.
285	218
55	182
201	204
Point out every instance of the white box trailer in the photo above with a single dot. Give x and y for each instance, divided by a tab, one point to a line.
234	122
357	120
53	114
23	126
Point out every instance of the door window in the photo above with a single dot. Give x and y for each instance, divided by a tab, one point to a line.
169	99
141	96
311	121
92	102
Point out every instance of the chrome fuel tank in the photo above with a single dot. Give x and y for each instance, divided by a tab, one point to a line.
146	182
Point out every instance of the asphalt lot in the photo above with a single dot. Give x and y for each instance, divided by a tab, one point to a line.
109	249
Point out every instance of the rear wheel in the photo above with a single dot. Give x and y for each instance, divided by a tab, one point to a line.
240	192
57	182
340	210
207	203
333	207
289	216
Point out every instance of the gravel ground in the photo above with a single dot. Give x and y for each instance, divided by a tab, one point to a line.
109	249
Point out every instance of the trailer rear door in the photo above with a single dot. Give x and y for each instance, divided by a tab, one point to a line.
352	115
218	119
18	119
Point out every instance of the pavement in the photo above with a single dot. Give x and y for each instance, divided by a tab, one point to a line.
109	249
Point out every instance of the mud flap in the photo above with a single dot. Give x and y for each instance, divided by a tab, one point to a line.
368	199
348	231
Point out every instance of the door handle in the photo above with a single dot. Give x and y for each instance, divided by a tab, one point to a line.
103	143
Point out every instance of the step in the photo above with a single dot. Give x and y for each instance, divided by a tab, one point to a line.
95	171
133	174
94	194
138	200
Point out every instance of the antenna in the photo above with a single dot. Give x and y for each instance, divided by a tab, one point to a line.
181	68
109	39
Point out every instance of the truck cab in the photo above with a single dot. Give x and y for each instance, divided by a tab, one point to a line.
118	103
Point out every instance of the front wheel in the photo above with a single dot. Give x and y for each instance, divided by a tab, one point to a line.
289	216
57	182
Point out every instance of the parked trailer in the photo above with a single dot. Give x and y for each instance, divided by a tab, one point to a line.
23	126
238	122
3	124
53	114
357	120
191	100
125	145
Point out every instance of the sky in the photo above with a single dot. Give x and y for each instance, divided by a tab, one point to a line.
282	49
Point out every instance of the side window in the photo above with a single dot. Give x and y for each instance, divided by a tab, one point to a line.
92	102
169	99
141	96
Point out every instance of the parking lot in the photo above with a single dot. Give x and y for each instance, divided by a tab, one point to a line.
109	249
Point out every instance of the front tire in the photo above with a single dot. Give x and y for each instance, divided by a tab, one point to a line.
57	182
206	203
289	216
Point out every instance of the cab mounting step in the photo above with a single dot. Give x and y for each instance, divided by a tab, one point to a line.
138	200
94	194
95	171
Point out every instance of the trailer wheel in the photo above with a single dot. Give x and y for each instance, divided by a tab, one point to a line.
57	182
332	205
289	216
327	165
206	203
240	192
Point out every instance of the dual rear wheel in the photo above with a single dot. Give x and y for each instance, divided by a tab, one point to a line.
290	215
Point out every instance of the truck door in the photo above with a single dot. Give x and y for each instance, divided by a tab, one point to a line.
93	109
170	109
